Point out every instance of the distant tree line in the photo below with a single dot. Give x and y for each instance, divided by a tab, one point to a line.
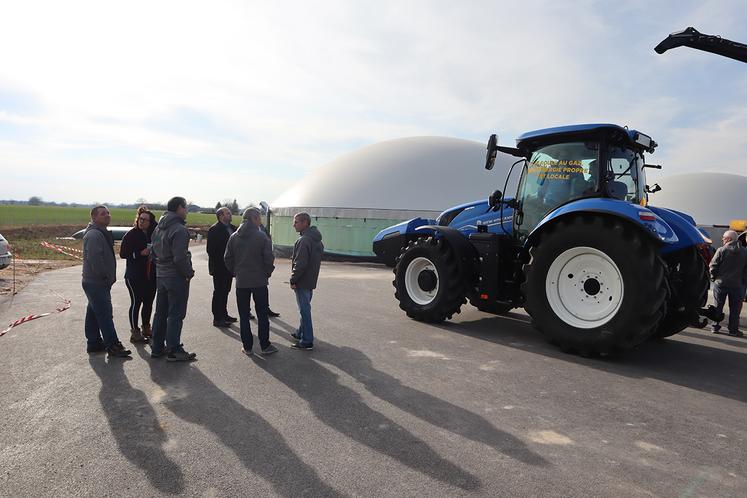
157	206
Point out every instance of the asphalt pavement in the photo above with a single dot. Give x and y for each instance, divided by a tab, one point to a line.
383	406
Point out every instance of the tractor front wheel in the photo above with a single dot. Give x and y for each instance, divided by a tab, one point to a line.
428	282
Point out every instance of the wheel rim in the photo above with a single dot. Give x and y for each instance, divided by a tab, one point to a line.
414	279
584	287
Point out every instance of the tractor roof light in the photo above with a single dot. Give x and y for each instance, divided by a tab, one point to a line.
645	141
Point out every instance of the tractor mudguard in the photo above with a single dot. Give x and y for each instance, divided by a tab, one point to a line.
684	227
651	223
465	252
389	242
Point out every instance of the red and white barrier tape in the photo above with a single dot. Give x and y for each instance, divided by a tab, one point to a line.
64	307
62	249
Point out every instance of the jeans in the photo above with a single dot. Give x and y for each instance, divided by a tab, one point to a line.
735	296
99	320
305	328
221	289
261	297
171	308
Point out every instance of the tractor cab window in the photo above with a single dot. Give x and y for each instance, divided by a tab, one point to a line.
624	168
555	175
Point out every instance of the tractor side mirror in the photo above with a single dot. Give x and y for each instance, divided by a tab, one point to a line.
495	198
492	151
654	189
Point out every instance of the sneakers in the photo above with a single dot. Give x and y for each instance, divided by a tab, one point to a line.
118	351
296	336
231	319
157	354
715	327
136	336
300	345
269	350
221	324
147	331
247	352
272	314
737	333
180	355
96	347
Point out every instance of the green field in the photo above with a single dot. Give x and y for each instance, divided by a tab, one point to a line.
16	216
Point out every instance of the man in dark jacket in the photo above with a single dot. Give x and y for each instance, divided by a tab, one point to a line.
306	262
249	257
99	274
216	247
173	273
729	274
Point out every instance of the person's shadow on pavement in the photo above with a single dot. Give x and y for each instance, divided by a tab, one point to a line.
342	409
424	406
135	426
193	397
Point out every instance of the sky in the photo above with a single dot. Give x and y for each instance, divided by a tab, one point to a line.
105	101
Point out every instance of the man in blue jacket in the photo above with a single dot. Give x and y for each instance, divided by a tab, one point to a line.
306	262
99	274
173	273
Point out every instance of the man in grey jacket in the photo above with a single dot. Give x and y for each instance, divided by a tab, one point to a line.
99	274
729	273
173	273
306	262
249	258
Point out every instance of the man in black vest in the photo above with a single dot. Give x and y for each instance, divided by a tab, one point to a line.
216	247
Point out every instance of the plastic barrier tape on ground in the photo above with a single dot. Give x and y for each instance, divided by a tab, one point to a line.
65	306
63	249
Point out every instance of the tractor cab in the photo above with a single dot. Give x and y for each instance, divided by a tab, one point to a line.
569	163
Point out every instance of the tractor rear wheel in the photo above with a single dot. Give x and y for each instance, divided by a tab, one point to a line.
428	281
595	285
689	282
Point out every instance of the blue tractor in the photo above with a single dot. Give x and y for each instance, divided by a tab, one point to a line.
597	268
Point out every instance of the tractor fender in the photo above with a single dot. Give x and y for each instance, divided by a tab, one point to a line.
651	223
465	252
388	243
684	227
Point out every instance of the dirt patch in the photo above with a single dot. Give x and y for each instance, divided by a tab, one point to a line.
26	270
39	232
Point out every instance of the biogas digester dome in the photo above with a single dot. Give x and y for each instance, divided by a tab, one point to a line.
360	193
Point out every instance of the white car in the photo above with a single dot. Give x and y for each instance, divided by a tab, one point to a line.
4	253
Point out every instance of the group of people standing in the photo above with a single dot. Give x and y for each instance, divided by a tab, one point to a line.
159	264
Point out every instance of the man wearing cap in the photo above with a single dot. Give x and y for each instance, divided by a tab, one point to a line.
729	274
249	258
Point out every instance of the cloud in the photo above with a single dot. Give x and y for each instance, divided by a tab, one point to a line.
242	99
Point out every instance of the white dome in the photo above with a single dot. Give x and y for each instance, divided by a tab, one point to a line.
710	198
406	174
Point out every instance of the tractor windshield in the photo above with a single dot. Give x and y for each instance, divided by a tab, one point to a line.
556	174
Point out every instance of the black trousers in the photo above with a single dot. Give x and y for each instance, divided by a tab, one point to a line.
142	293
221	289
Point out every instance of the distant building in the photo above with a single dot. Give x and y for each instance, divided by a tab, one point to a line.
355	196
